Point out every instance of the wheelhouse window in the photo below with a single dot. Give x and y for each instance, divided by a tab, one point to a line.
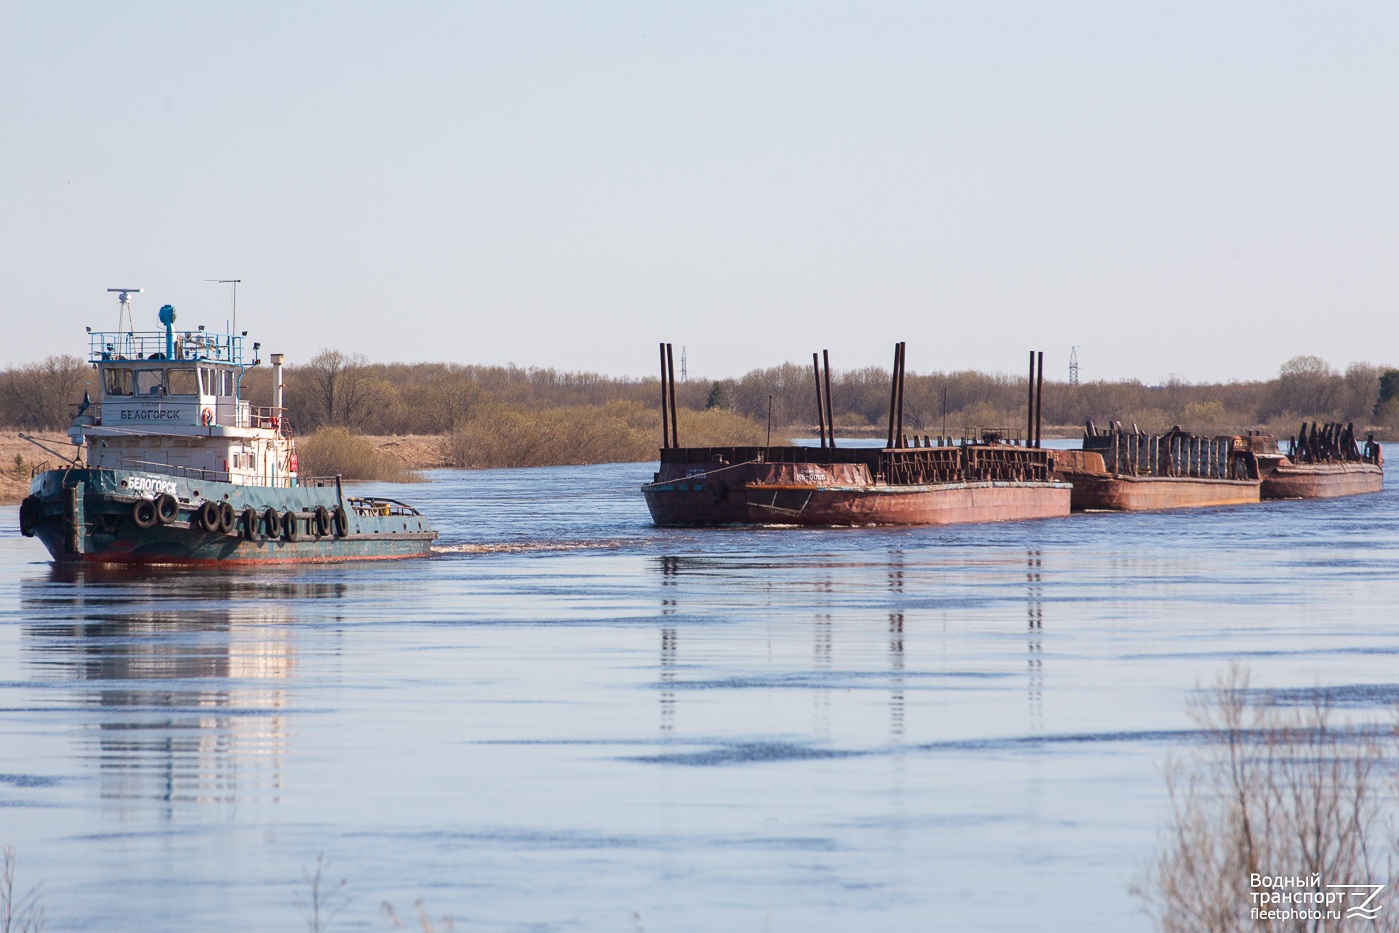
183	382
117	380
217	381
150	382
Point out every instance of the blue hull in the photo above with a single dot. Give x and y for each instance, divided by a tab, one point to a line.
94	516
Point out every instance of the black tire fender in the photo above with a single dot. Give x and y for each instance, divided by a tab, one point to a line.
250	521
167	508
208	516
289	523
341	522
29	512
272	522
143	513
321	521
228	519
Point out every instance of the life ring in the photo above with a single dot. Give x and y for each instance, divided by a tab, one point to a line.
342	522
206	417
289	529
209	516
143	513
321	521
167	508
29	512
228	519
250	523
272	522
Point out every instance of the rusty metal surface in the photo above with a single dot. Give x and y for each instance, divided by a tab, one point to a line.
1079	461
853	486
1332	442
1131	471
944	504
1099	491
1322	480
1176	454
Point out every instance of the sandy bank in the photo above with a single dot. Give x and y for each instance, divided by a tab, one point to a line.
14	473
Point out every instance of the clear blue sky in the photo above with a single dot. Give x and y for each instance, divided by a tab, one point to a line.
1205	189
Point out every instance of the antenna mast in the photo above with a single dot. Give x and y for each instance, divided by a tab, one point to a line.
124	313
234	283
1073	366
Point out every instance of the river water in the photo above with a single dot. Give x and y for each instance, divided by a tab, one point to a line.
571	720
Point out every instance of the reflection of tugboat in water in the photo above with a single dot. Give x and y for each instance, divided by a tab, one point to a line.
181	469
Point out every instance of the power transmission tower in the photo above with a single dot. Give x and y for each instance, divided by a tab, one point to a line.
1073	366
684	365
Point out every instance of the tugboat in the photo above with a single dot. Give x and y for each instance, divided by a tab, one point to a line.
176	467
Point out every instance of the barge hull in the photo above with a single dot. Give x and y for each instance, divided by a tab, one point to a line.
834	487
1151	493
1322	481
941	504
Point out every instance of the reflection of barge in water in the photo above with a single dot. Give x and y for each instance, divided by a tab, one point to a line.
181	469
981	479
1322	462
1132	471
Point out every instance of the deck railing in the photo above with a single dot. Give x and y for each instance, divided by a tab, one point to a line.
222	476
373	505
150	345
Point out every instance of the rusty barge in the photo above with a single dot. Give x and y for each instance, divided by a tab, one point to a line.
1322	462
984	476
1124	471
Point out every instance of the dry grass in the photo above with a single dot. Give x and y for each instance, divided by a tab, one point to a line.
502	436
17	458
443	925
323	901
332	451
19	913
1275	791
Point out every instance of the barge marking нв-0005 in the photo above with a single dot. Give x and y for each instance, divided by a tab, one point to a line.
176	467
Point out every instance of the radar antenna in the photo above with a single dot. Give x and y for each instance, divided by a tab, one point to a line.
234	283
124	314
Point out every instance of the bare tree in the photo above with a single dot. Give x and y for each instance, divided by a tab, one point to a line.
1306	386
1276	793
37	396
333	388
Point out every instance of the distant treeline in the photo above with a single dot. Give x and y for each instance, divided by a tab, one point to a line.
548	407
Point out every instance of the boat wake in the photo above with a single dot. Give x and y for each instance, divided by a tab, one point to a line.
527	547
